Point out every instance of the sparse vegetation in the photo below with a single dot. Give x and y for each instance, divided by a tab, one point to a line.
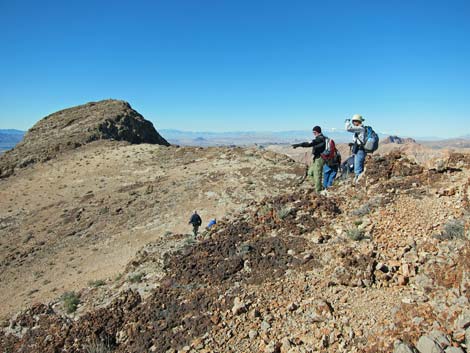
97	283
368	207
136	277
70	301
97	346
189	241
356	234
454	229
264	210
284	212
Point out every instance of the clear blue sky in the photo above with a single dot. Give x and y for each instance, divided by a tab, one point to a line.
242	65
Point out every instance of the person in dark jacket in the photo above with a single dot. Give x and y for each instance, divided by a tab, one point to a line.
196	221
318	146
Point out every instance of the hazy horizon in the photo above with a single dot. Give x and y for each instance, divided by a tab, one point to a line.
306	133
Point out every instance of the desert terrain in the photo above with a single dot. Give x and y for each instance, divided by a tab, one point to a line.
96	254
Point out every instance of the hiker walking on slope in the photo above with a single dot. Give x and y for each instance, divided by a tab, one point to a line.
318	146
196	221
355	126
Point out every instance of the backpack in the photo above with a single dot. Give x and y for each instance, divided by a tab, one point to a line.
335	162
330	149
347	167
371	142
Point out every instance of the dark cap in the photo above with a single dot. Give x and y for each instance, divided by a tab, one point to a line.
317	129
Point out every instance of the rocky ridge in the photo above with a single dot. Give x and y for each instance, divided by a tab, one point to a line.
74	127
380	267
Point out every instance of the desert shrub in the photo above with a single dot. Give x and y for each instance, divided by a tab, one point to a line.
362	211
284	212
97	346
70	301
355	234
453	229
368	207
97	283
136	277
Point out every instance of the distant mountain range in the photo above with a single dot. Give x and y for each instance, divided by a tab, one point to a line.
9	138
240	138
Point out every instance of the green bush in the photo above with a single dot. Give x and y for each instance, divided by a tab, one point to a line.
136	277
284	212
355	234
70	301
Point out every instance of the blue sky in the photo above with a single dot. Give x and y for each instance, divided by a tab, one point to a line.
242	65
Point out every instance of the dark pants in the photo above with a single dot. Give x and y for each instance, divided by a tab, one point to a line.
195	229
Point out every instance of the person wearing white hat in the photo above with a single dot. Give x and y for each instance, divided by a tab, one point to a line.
355	126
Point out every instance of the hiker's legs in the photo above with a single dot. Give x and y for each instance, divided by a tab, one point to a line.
310	171
359	159
326	171
195	229
318	173
330	178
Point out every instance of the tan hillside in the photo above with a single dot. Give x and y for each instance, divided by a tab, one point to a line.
83	216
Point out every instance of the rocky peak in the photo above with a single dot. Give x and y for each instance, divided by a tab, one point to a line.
398	140
73	127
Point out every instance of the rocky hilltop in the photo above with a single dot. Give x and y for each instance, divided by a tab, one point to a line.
398	140
74	127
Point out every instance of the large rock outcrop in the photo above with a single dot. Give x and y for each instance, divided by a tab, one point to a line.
71	128
398	140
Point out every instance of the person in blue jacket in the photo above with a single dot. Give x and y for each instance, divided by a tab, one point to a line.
211	223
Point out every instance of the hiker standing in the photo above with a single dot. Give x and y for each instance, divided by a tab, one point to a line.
196	221
330	169
318	146
355	126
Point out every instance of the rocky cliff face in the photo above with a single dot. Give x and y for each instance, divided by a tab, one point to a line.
71	128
